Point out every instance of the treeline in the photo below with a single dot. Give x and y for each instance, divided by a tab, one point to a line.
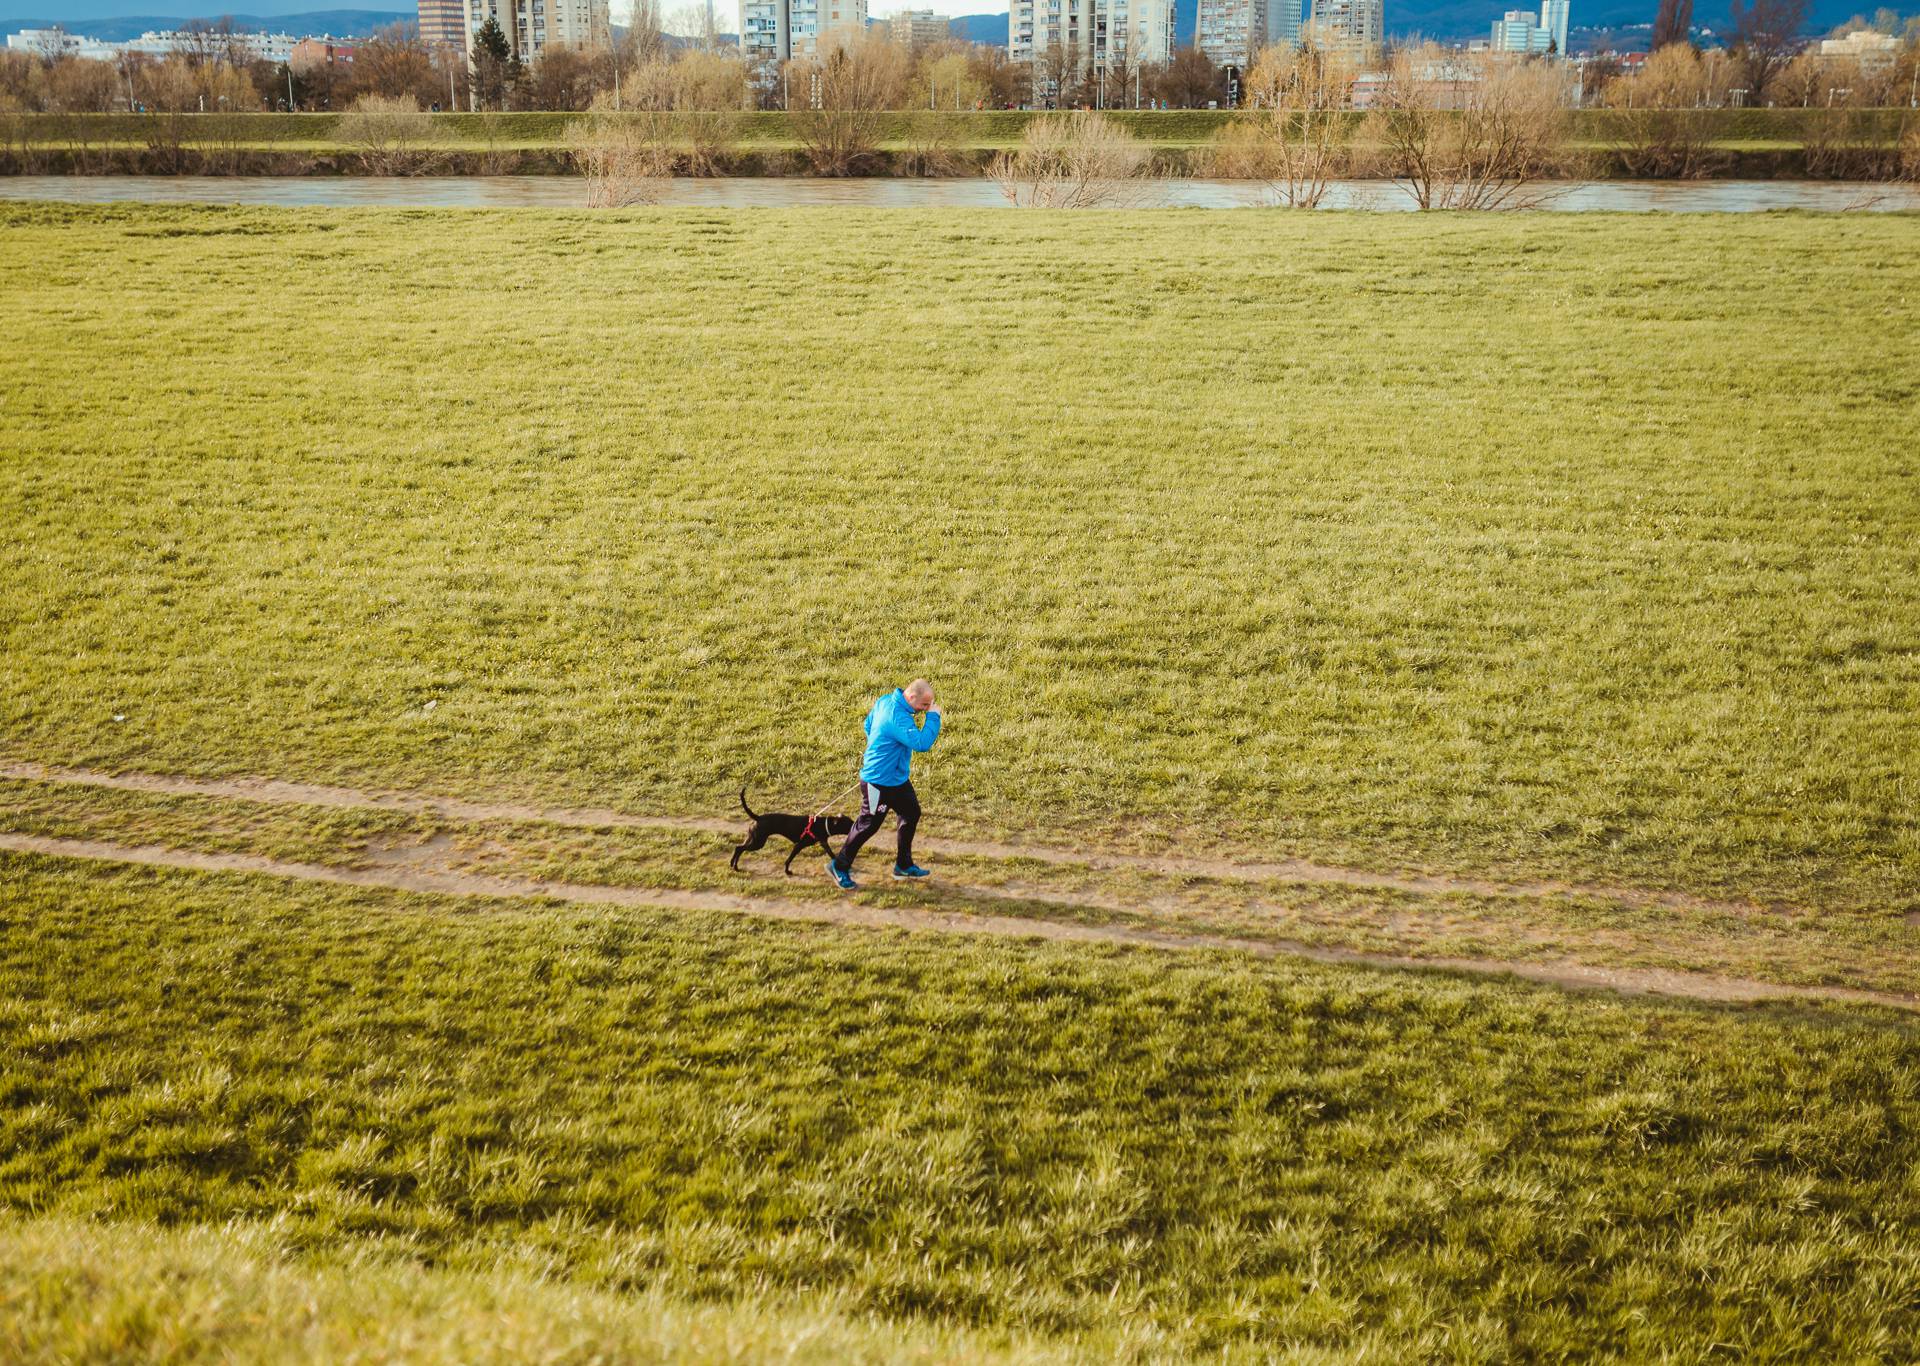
1765	63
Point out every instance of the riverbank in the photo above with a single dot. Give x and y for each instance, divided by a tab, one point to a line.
775	192
1734	144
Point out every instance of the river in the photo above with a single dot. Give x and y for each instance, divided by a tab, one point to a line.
497	192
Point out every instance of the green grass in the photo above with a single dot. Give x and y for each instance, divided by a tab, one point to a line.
1180	1154
1874	951
1575	545
75	1290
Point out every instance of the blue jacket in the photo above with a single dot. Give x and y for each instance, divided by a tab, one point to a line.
893	740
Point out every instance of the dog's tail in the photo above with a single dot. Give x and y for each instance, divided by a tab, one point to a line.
751	813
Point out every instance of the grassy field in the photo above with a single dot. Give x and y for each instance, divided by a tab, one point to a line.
1540	590
1577	545
1057	1150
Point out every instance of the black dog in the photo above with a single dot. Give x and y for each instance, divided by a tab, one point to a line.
802	830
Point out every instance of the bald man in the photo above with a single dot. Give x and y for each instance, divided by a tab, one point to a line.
900	725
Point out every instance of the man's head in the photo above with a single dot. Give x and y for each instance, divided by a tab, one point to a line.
919	694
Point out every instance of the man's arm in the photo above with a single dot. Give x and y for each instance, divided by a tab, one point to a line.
919	739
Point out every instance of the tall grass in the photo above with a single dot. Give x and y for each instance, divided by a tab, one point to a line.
1201	1153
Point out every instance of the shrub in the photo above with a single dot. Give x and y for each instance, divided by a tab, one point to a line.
1075	161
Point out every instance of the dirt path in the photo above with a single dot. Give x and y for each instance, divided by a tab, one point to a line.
1286	870
401	877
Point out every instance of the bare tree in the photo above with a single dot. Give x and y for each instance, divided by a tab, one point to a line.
646	31
561	78
1662	119
1076	161
851	86
1850	134
1295	134
1765	35
395	63
1472	131
1056	71
1802	81
627	157
389	134
1673	23
1191	80
693	24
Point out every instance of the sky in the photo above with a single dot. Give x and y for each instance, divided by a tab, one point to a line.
725	11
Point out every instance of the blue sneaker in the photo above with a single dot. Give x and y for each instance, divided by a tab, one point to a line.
842	876
912	870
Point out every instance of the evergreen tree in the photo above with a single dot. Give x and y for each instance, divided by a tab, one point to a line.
495	68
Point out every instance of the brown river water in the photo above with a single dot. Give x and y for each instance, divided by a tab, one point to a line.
506	192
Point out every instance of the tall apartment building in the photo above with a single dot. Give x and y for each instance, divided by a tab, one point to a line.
917	28
443	23
1100	36
1231	32
532	26
764	36
1356	27
776	30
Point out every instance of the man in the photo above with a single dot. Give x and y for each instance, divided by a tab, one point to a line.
892	741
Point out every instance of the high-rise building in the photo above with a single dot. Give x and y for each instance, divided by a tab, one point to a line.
1231	32
1519	31
1088	39
1553	18
443	23
764	36
532	26
1355	27
1283	23
776	30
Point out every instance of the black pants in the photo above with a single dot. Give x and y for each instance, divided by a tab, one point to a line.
875	802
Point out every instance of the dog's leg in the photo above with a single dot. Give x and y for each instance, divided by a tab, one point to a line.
756	839
798	845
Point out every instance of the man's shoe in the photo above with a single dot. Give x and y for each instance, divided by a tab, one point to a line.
912	870
842	876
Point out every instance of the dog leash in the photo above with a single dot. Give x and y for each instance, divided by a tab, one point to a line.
807	830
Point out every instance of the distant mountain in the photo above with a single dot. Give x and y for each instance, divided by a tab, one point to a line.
341	23
990	29
1452	19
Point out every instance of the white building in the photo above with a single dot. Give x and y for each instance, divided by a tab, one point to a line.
1094	38
1356	27
1231	32
1553	18
532	26
1519	31
53	42
1873	51
776	30
763	31
917	27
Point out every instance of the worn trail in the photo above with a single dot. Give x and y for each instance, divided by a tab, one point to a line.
1626	981
276	790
